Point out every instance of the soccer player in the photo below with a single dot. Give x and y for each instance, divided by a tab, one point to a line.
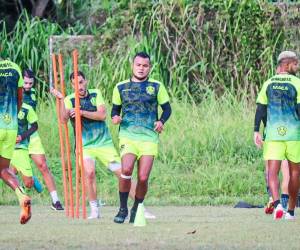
27	125
11	83
279	103
138	99
96	139
35	148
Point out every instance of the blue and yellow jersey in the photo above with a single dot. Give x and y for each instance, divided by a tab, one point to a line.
29	97
281	94
10	79
139	101
26	117
94	133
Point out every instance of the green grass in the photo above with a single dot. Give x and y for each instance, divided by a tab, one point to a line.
175	228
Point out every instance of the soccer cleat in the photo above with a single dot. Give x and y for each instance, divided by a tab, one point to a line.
270	207
288	216
57	206
121	216
37	185
278	212
132	215
149	215
25	204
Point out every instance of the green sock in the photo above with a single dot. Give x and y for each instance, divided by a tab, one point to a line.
20	193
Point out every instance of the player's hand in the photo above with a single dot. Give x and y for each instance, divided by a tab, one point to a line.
116	119
19	139
56	93
158	126
73	113
258	139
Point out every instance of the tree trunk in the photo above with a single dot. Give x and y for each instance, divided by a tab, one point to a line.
39	8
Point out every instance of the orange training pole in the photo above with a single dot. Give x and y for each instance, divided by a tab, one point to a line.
62	149
79	154
62	86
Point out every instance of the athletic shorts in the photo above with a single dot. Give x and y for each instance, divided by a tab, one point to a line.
107	155
281	150
7	142
35	145
21	161
138	148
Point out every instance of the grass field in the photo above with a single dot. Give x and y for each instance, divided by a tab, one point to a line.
175	228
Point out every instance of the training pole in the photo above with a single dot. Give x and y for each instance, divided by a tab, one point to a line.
78	132
62	148
67	140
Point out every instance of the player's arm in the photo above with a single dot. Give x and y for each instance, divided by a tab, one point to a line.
117	107
64	112
163	101
99	115
28	133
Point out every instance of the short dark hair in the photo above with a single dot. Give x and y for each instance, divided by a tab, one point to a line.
143	55
28	73
79	73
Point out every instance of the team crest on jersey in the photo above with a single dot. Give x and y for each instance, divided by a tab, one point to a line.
93	101
33	97
150	90
21	115
6	118
282	130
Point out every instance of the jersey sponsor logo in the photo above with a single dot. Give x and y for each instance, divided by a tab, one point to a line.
7	74
150	90
282	130
21	115
125	90
6	118
280	87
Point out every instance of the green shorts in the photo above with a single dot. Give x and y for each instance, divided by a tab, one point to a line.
281	150
106	155
21	162
138	148
7	142
35	145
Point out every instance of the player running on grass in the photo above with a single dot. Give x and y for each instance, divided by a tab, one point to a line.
279	103
97	141
138	98
36	149
11	83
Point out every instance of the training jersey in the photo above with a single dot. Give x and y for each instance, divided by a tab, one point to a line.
139	101
10	79
281	94
26	117
29	97
94	133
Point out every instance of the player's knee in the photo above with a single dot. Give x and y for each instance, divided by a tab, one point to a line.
143	179
90	173
43	167
28	183
126	171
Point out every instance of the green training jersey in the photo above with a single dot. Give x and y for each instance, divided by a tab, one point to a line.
94	133
139	101
26	117
10	80
29	97
281	94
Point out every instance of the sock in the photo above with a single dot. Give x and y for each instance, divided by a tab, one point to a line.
291	212
276	203
20	193
284	200
136	203
123	199
54	196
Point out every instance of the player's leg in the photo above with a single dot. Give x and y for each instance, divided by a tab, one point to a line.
41	163
145	164
90	182
270	205
285	183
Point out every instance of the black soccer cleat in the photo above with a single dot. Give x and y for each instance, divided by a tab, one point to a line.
57	206
121	216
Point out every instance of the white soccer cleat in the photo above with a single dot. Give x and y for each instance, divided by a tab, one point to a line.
149	215
278	212
288	216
